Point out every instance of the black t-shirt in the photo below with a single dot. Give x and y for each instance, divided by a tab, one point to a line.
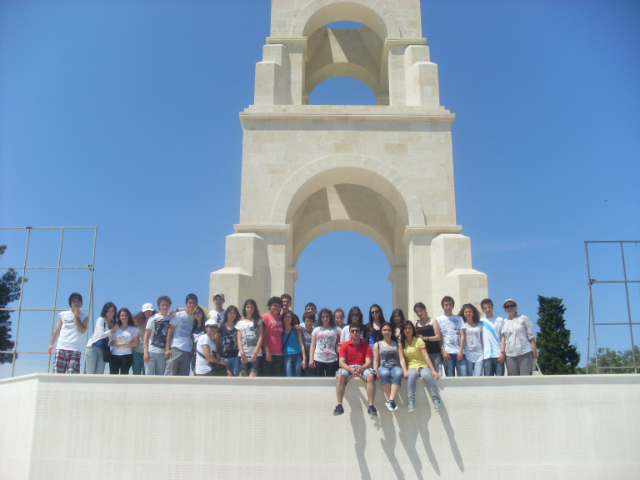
427	331
228	341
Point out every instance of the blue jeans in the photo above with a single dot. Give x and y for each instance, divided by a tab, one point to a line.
452	366
473	369
249	367
233	364
392	375
156	364
293	365
493	367
95	362
138	363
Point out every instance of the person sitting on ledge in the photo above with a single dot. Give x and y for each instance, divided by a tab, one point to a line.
355	361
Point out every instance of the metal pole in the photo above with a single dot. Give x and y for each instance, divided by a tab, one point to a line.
586	249
55	295
592	315
93	326
626	287
15	345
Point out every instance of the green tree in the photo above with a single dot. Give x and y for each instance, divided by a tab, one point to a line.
556	356
612	361
9	292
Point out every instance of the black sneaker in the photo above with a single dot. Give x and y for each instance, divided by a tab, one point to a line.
372	411
338	411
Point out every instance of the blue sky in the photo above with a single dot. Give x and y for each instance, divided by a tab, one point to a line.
124	115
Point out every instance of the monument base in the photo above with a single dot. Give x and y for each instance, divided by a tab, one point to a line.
112	427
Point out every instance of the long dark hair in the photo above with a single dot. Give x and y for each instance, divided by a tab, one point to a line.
382	320
256	313
326	311
397	311
129	317
106	308
357	311
226	314
393	333
403	337
476	314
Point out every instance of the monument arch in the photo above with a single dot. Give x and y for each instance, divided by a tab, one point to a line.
384	170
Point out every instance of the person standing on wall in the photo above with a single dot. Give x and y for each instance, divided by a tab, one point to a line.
155	339
429	331
217	313
178	349
452	351
518	341
494	357
140	321
286	306
274	360
71	325
124	340
99	341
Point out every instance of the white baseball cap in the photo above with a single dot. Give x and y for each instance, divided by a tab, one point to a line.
218	294
147	307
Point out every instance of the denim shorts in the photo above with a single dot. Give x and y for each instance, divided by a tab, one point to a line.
248	367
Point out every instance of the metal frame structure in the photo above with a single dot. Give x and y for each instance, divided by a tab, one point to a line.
53	310
592	319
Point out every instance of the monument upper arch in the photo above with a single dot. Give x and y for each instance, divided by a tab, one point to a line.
315	16
346	168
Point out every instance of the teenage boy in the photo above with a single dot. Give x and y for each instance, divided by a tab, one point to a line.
217	313
273	328
155	339
178	348
71	326
309	319
286	306
356	361
311	308
452	352
493	355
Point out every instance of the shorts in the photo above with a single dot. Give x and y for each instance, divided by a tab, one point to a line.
347	375
66	361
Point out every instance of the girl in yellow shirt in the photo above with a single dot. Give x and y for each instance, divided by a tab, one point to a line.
416	363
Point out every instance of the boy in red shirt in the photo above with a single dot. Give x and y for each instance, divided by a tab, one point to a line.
355	361
273	328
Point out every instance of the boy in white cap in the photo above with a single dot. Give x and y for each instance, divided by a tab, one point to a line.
217	313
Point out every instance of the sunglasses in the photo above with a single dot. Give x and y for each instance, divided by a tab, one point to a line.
510	306
374	312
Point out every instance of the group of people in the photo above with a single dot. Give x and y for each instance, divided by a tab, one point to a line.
227	342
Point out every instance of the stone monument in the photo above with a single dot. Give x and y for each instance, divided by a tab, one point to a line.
385	171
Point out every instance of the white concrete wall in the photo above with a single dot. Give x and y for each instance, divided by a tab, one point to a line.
109	427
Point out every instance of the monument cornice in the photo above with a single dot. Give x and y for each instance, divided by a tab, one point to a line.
340	112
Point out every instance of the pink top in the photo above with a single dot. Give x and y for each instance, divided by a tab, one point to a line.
273	328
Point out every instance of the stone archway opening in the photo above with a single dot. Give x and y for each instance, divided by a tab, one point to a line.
342	269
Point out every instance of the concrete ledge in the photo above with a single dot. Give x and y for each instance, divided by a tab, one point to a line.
99	426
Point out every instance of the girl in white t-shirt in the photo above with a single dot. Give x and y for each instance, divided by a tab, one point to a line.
250	338
124	339
206	351
324	342
471	335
